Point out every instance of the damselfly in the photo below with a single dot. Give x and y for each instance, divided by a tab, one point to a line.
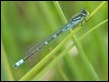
37	47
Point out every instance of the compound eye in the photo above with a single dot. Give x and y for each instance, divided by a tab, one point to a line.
84	12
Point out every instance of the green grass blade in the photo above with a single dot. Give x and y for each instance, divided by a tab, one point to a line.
60	56
6	71
45	59
97	9
32	72
92	71
60	12
92	29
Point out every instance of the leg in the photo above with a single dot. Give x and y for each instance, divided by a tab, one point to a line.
81	23
85	20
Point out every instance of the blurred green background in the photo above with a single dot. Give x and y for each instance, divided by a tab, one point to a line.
24	23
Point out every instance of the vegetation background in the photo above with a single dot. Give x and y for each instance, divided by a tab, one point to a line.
78	55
